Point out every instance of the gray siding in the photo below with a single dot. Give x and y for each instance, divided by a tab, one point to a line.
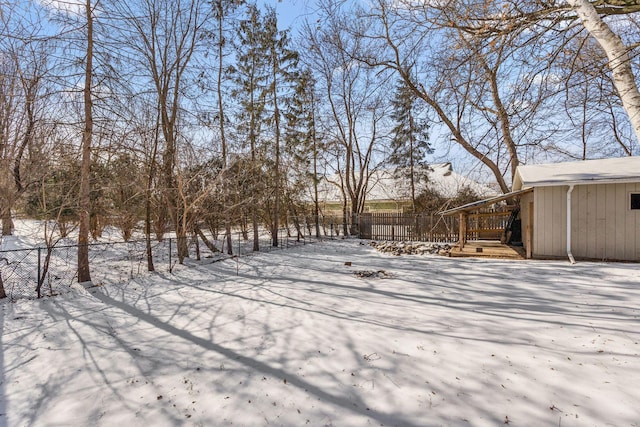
550	216
603	226
525	201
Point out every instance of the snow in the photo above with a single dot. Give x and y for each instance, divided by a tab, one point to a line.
295	338
616	170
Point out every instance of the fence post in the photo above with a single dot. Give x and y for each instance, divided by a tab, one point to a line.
170	266
39	264
431	228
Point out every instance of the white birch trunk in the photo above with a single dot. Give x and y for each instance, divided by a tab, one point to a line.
619	61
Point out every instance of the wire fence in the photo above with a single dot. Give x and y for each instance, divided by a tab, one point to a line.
48	271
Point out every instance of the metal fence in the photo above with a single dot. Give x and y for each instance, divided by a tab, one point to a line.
21	270
55	268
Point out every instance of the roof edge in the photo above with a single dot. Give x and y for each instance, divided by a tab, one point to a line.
593	181
480	203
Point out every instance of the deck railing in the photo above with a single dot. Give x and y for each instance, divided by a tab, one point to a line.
487	225
430	227
407	227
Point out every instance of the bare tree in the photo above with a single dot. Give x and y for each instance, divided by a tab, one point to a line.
491	74
478	87
24	65
53	200
619	59
84	198
355	95
163	37
9	145
558	23
53	233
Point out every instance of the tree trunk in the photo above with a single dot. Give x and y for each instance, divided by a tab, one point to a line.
147	231
45	270
254	207
195	239
181	238
7	221
503	117
345	217
206	241
316	203
256	233
223	138
296	223
147	206
619	60
84	197
276	114
2	292
412	161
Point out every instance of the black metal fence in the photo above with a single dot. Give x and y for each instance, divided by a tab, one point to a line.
55	268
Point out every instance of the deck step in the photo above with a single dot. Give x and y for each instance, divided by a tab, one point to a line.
488	249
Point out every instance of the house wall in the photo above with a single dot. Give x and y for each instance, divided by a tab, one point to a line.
603	226
526	209
549	221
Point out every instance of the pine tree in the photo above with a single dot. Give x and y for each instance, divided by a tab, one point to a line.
221	11
410	143
250	76
282	64
301	139
264	72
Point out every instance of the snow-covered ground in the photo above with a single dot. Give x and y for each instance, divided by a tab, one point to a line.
297	338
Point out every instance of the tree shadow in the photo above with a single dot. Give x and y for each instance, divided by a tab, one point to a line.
253	364
245	330
3	379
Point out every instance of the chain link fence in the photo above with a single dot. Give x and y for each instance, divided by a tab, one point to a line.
55	268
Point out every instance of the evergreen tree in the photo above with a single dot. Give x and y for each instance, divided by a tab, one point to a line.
250	76
301	138
282	66
410	143
221	11
264	72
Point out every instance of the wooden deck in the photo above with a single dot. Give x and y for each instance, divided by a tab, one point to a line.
488	249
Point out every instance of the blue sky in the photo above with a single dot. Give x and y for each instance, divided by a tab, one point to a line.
291	13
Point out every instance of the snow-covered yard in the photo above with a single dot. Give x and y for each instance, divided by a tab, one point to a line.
296	338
